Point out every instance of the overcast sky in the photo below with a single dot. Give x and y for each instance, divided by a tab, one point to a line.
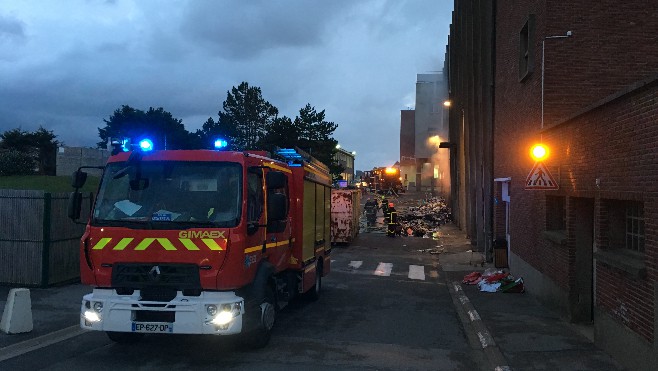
68	64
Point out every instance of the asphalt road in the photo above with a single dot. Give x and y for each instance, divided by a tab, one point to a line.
384	306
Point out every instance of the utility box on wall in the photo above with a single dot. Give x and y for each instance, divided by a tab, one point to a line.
500	253
345	213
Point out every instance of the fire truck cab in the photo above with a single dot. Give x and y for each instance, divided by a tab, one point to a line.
202	241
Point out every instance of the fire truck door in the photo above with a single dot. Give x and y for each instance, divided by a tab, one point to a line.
278	224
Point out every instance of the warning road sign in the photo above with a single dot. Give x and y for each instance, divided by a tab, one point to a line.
540	178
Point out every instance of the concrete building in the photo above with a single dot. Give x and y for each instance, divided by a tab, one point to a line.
346	160
408	148
430	128
582	78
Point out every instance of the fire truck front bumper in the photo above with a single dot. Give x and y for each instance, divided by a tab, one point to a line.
217	313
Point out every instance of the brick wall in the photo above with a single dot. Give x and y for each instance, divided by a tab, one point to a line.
592	133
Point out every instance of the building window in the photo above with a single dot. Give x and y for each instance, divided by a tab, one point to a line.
626	225
556	213
526	48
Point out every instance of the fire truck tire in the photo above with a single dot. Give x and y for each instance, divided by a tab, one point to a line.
124	337
260	337
314	293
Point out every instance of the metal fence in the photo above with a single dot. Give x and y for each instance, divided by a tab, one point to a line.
39	244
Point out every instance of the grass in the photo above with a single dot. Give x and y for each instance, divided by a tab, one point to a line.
51	184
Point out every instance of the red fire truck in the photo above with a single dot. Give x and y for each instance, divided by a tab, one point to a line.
202	241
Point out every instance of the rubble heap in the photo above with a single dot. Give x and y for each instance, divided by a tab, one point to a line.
425	219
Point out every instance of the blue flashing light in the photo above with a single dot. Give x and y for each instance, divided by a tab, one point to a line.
289	153
125	145
220	143
146	145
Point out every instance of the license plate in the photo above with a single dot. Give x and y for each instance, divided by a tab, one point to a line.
152	327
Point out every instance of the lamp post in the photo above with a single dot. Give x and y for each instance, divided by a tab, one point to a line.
568	34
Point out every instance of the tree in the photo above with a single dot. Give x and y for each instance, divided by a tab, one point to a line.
160	126
46	145
13	162
282	134
246	117
39	145
315	136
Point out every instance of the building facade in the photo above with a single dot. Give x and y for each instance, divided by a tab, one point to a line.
346	160
582	78
430	128
408	148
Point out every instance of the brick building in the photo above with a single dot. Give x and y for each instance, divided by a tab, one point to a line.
589	248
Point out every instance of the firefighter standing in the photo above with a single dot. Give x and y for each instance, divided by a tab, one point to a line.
392	221
371	211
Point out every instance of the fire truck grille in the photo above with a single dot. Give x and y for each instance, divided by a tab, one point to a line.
139	276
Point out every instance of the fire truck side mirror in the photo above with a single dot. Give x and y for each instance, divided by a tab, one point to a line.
275	179
75	205
276	207
78	179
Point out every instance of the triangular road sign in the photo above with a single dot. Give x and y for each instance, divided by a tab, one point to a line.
540	178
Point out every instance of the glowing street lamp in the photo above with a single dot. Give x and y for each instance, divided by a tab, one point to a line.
539	152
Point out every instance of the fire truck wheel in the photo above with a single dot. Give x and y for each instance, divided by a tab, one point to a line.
260	337
314	293
124	337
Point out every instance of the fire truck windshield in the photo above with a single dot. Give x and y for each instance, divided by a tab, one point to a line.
159	194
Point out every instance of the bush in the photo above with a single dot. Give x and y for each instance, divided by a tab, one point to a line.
16	163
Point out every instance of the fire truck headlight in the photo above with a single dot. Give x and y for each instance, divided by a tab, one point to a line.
223	318
91	316
211	309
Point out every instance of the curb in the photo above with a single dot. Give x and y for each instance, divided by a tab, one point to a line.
477	332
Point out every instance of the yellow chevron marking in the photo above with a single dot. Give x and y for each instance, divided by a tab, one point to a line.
123	243
212	244
144	244
101	243
166	244
189	244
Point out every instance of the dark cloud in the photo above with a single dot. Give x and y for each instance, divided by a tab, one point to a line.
238	29
11	28
357	60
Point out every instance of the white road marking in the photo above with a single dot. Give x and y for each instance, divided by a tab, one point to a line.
383	269
417	272
463	299
26	346
485	339
502	368
355	264
473	314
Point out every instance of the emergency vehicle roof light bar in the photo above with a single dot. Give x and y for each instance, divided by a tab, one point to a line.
291	156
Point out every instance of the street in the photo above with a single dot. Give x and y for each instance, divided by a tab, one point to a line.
384	306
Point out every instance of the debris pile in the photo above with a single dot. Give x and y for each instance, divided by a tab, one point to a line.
426	219
492	280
